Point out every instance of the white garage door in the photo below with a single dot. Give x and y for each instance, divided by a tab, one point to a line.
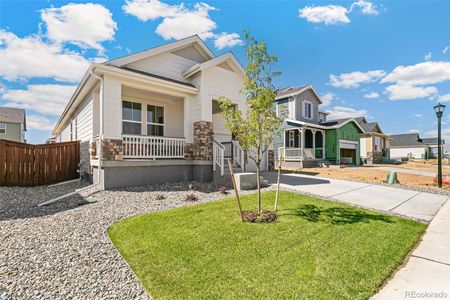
347	145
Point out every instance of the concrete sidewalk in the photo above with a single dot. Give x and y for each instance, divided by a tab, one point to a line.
427	272
412	204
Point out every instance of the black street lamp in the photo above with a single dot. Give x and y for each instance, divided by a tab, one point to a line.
439	109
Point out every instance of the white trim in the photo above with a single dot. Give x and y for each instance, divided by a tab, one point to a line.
299	92
304	110
4	128
195	39
214	62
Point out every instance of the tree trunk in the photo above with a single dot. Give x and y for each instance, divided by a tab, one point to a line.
259	187
278	186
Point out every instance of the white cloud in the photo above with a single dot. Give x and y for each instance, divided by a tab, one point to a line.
354	79
146	10
47	99
341	112
429	72
178	21
409	92
327	98
38	122
445	50
329	15
444	98
86	25
428	56
32	57
187	23
372	95
414	130
335	14
418	115
367	8
224	40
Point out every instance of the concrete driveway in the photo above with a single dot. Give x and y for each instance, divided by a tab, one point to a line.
413	204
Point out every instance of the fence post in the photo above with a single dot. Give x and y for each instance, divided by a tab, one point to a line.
2	162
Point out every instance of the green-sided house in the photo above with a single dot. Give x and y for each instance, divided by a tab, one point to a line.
308	138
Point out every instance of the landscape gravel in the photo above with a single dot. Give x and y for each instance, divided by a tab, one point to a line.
62	251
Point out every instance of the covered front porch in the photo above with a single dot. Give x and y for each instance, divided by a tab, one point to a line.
303	143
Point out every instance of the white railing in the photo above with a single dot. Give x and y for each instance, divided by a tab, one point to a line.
290	153
136	146
296	154
309	153
238	154
218	156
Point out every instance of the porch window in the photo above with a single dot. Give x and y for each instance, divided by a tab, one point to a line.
2	127
307	111
155	120
131	117
291	138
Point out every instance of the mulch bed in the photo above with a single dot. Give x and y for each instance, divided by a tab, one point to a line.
255	217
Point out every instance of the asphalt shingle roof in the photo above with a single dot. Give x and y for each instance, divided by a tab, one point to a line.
289	90
13	115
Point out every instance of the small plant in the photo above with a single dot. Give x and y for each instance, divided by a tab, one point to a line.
223	190
160	197
192	187
191	198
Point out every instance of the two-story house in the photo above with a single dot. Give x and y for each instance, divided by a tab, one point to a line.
375	144
307	137
13	124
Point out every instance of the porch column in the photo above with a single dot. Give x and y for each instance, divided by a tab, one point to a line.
302	131
112	119
314	141
323	144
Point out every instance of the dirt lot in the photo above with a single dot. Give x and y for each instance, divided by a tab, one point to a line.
429	166
367	175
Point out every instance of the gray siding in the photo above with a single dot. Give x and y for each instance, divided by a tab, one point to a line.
307	95
13	132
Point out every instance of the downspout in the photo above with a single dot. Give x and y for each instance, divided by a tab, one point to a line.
99	155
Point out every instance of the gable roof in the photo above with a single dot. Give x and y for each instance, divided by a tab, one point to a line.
291	92
341	122
156	76
432	141
229	56
13	115
175	45
408	139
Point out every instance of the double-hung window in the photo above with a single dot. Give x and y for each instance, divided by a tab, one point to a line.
155	120
2	127
131	117
307	110
291	138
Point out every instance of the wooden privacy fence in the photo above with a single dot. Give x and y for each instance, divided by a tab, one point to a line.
30	165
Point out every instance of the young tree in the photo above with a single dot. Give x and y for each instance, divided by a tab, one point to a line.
256	129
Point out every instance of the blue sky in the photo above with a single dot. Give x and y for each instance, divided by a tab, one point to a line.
389	61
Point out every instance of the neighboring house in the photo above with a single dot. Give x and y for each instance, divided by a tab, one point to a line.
13	124
412	146
153	117
374	143
307	137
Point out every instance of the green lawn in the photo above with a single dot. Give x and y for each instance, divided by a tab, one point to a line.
316	250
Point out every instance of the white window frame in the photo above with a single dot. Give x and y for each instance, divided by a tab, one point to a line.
158	124
291	139
3	126
311	110
142	114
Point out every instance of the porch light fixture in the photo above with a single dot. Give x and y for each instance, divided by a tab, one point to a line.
439	110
